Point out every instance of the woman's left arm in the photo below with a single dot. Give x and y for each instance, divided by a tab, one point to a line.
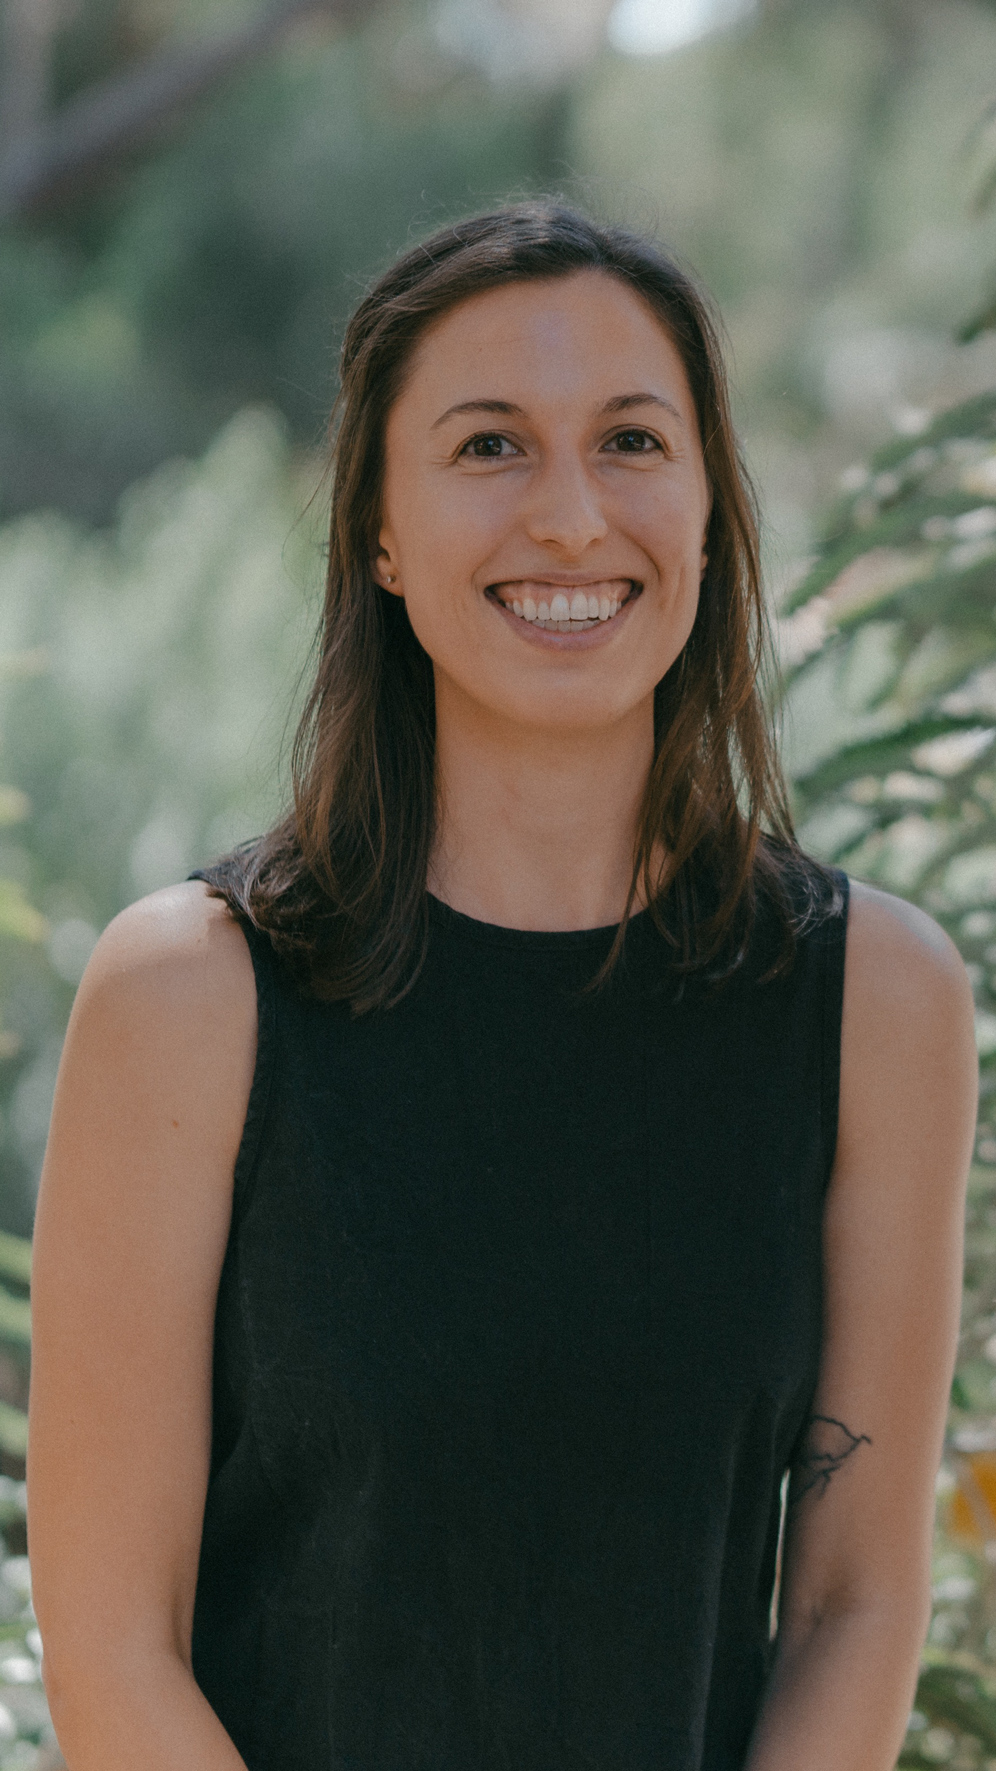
855	1599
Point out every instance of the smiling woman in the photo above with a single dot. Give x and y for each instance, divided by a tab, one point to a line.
530	402
496	1265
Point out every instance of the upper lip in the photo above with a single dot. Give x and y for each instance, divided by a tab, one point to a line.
565	580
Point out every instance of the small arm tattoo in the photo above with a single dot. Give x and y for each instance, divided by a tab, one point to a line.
825	1445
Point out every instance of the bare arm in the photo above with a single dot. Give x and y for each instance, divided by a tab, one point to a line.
856	1593
132	1225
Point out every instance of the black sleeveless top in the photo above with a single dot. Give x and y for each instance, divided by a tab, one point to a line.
518	1325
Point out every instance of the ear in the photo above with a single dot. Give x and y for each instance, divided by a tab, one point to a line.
385	568
387	574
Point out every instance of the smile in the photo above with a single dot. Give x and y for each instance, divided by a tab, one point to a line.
571	609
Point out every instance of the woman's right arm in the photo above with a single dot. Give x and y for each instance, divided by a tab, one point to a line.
132	1225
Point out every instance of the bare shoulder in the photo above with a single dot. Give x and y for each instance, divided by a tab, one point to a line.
900	961
167	1006
908	1058
177	941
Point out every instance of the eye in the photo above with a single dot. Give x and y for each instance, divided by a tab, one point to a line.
633	442
489	446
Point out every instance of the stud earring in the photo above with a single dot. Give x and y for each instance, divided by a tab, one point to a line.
389	576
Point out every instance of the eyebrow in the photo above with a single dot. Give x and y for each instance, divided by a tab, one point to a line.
503	409
625	403
506	409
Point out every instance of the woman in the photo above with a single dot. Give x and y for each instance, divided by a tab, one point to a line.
463	1205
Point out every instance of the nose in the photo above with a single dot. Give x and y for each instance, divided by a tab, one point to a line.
564	511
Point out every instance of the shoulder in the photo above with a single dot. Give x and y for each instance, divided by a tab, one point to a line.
176	945
900	963
152	1092
909	1067
169	994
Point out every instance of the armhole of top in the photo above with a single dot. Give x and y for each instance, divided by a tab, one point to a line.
261	953
835	949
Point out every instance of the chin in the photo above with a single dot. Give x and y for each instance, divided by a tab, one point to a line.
572	712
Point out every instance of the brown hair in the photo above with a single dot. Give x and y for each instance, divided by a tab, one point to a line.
340	883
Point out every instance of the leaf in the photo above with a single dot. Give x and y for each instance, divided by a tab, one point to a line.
15	806
981	146
15	1319
984	320
13	1430
18	918
954	1696
15	1257
880	755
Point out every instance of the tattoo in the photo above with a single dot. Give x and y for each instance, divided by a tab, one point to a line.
826	1444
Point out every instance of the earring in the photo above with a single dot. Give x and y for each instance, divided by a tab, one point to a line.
389	576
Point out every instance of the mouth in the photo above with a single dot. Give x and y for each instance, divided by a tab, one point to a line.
568	608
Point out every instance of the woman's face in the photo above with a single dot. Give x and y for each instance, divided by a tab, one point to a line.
545	501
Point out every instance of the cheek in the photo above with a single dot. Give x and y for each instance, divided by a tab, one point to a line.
443	620
444	532
672	523
675	622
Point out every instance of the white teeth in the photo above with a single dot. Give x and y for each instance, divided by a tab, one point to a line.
567	614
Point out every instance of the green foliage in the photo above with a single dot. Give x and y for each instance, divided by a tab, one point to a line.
955	1714
812	169
214	271
157	667
17	917
810	166
896	613
15	1258
889	649
145	679
15	1335
27	1740
982	151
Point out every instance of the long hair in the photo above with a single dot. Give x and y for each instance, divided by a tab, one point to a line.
340	883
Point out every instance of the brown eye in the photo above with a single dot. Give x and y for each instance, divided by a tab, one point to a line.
635	442
486	448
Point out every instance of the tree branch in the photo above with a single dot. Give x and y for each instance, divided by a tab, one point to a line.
54	161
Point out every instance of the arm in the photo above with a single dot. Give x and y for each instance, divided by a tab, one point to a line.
855	1600
132	1225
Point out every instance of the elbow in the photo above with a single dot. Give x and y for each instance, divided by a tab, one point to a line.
896	1620
98	1689
77	1685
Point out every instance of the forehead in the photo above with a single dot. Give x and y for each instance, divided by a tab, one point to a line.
586	337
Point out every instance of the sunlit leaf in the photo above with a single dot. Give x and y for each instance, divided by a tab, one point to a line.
15	1318
18	917
13	1430
15	1257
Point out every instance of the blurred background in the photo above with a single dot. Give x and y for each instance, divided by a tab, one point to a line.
193	194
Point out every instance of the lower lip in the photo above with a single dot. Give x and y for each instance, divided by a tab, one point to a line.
571	642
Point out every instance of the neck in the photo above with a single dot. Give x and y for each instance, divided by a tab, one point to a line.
536	828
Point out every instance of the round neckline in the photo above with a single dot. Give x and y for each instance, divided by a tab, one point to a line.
532	940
